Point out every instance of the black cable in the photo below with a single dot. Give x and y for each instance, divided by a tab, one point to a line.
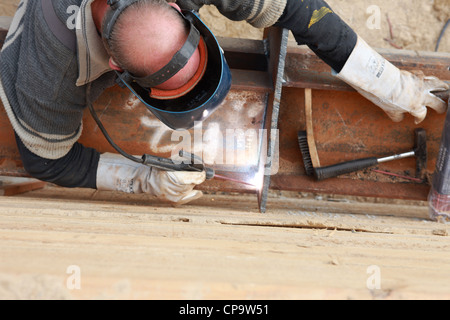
102	128
149	160
442	35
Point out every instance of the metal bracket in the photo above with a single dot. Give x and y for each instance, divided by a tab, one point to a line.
277	42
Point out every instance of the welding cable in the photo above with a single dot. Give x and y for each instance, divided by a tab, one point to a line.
103	130
442	34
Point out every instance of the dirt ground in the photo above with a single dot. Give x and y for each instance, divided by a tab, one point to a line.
415	24
117	246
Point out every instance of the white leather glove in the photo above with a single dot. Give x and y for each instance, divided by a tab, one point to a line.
396	92
117	173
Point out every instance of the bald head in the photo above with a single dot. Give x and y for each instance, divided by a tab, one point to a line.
145	38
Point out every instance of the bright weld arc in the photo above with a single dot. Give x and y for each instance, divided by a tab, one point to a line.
217	176
257	180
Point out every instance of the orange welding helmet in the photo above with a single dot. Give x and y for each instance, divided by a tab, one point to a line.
197	99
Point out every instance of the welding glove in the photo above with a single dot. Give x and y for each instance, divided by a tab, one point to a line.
259	13
117	173
396	92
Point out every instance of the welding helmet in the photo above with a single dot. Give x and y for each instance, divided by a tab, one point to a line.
197	99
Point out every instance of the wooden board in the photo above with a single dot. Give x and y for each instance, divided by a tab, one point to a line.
220	247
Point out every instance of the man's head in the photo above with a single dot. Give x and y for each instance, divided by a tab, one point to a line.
170	60
146	36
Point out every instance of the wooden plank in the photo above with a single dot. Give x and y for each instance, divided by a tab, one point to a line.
20	187
134	248
310	129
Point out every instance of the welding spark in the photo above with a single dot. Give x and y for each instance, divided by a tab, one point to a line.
218	176
257	180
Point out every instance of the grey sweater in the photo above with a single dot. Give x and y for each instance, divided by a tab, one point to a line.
39	77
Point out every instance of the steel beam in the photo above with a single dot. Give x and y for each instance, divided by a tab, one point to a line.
278	39
346	126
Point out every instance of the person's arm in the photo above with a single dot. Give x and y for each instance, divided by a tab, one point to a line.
397	92
118	173
77	169
259	13
85	167
315	24
45	107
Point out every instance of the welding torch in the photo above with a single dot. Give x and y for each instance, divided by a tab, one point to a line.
194	163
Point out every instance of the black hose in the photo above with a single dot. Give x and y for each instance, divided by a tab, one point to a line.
102	128
149	160
442	35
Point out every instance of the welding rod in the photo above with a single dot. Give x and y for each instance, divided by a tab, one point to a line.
197	163
444	95
220	177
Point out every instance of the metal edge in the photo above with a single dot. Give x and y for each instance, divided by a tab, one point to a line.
278	41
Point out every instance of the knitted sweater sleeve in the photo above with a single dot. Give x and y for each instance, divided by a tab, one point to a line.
77	169
45	107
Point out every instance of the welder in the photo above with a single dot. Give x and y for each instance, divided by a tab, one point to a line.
171	61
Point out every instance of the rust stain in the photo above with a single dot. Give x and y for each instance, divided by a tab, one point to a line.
346	127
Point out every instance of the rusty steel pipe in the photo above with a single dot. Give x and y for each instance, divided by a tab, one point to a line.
346	126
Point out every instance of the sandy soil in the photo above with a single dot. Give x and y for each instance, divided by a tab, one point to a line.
416	24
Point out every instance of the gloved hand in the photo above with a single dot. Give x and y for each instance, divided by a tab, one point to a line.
117	173
259	13
396	92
